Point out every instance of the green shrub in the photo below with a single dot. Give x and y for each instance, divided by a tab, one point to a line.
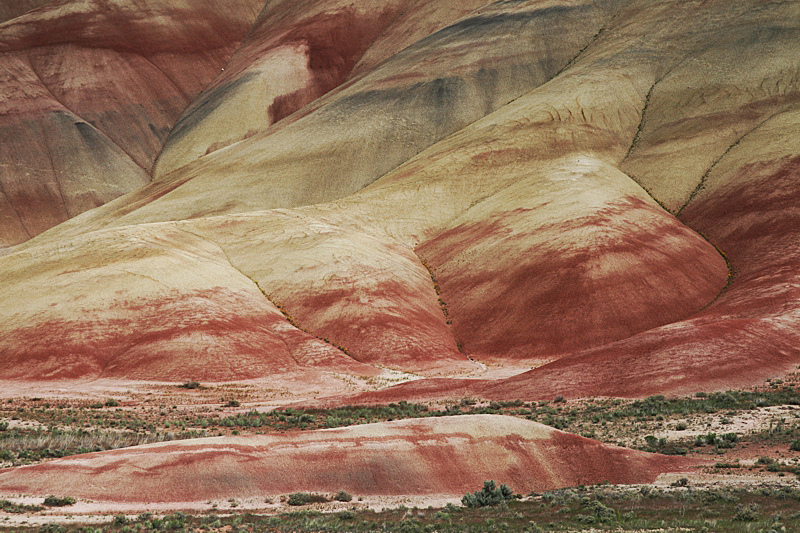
343	496
304	498
55	501
746	512
602	513
18	508
175	521
346	515
491	494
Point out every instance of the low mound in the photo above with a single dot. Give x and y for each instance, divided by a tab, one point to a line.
420	456
378	302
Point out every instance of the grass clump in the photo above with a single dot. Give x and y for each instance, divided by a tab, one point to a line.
491	494
343	496
56	501
746	512
305	498
17	508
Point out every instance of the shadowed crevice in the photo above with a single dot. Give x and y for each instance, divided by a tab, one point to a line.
62	104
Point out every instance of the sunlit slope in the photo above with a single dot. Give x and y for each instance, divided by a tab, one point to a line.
147	303
418	96
295	53
198	300
601	191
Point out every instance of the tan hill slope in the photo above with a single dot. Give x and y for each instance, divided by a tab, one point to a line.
196	300
507	199
434	456
147	304
547	186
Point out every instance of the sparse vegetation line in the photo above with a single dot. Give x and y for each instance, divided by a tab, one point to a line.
767	508
40	431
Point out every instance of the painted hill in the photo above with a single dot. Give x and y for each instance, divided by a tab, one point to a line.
90	91
441	456
595	196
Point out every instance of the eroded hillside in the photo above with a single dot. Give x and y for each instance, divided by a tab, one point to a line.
500	200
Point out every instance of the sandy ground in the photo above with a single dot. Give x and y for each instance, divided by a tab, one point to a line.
262	391
92	512
262	394
748	422
99	512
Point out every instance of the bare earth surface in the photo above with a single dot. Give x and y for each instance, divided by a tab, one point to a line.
319	204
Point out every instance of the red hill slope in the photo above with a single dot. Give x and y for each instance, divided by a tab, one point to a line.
443	456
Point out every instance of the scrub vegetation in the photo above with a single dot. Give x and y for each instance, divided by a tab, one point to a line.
703	424
594	508
33	430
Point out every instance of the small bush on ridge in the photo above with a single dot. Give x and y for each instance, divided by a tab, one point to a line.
304	498
491	494
55	501
343	496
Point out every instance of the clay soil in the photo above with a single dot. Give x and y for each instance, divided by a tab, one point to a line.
51	421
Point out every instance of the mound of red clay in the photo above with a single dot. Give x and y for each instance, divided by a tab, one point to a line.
450	456
743	337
